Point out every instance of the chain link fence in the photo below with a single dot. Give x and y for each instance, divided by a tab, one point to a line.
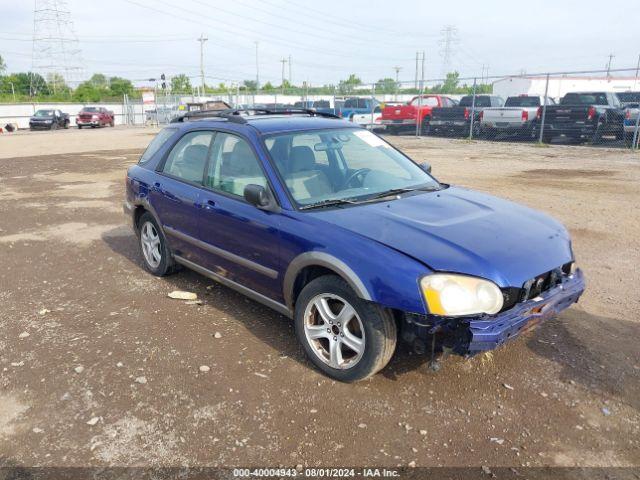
598	107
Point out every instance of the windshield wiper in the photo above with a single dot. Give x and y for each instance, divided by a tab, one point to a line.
328	203
398	191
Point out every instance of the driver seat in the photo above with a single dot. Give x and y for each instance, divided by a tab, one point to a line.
305	179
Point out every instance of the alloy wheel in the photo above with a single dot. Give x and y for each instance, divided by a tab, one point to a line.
334	331
150	242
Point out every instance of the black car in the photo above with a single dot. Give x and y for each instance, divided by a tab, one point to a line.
457	120
49	120
584	116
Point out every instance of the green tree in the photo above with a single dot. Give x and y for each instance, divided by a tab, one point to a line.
3	66
100	81
451	81
250	85
180	84
120	86
348	85
87	92
267	87
386	85
57	84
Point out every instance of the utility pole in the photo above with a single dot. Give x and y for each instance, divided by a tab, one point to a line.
637	71
397	69
611	55
283	61
202	39
422	75
290	81
415	84
257	68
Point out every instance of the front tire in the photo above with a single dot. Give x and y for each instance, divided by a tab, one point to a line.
156	256
346	337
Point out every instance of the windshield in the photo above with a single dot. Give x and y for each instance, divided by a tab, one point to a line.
629	97
90	109
481	101
425	102
584	99
522	102
354	164
44	113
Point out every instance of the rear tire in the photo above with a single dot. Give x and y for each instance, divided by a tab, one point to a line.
79	127
344	336
66	124
156	256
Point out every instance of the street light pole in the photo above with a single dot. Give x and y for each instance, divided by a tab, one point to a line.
202	39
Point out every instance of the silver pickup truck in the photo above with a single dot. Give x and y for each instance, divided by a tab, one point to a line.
518	116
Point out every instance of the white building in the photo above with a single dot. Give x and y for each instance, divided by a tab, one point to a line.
559	86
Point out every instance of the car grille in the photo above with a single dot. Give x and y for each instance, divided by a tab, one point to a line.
535	286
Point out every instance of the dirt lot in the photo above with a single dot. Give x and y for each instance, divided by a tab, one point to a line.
99	367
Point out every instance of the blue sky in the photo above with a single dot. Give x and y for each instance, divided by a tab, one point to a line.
328	40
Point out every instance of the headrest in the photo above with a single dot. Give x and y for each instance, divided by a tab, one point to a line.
302	158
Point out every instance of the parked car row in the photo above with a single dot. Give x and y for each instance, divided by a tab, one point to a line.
52	119
579	116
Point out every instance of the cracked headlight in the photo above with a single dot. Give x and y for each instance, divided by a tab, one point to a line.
455	295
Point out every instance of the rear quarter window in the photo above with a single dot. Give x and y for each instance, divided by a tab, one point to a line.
159	140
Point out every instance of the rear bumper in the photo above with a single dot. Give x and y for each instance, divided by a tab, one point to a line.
449	123
88	123
487	334
512	127
399	121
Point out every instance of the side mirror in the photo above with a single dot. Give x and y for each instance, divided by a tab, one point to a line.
258	196
426	167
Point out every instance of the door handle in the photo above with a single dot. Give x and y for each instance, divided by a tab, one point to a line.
210	205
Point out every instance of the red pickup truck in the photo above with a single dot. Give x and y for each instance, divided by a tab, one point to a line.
94	117
396	118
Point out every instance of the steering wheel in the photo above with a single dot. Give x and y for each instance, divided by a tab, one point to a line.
356	174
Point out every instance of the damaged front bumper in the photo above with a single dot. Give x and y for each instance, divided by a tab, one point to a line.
471	335
489	333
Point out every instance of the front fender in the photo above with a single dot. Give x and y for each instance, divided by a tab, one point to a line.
376	273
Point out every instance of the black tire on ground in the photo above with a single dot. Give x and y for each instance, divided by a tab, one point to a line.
112	123
380	331
167	264
393	130
66	124
79	127
54	125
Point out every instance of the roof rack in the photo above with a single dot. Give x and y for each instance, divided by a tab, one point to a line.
236	115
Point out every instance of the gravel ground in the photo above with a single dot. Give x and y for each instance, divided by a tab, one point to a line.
99	367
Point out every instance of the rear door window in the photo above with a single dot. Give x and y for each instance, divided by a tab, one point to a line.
188	157
233	166
158	141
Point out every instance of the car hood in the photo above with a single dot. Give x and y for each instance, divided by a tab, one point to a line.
462	231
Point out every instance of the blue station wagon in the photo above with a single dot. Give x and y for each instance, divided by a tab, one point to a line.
330	225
